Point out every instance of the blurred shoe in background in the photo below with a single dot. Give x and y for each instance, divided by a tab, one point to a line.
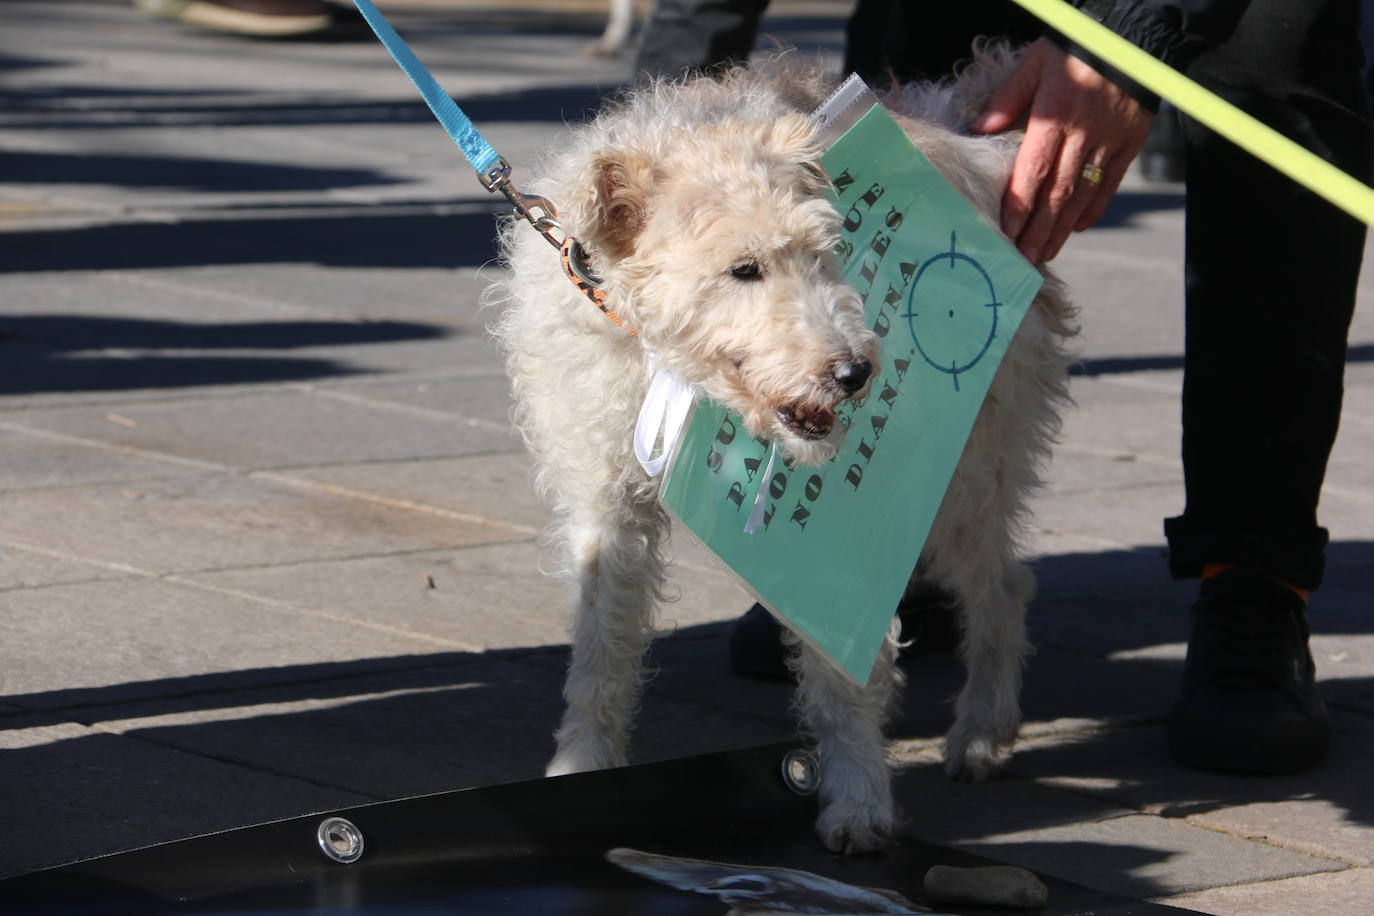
258	18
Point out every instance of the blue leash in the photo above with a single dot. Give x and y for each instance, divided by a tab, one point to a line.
493	171
473	145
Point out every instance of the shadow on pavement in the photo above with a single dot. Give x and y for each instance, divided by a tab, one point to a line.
107	108
146	171
44	353
10	62
383	238
1120	600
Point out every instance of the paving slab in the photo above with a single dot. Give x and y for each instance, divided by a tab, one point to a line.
218	522
499	485
1122	516
445	292
495	485
28	569
481	397
158	300
1339	893
459	596
98	641
463	596
275	430
1084	472
33	462
1147	425
1108	275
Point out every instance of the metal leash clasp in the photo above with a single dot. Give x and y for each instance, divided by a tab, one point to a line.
543	216
538	211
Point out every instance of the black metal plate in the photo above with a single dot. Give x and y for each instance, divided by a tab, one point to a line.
520	848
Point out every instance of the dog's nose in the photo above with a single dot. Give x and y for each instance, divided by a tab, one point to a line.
852	376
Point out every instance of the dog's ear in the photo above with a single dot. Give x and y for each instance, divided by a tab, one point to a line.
794	138
615	205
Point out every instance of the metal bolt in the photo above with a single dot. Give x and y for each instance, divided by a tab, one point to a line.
340	840
801	770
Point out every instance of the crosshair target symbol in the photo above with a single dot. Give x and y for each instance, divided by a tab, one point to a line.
951	311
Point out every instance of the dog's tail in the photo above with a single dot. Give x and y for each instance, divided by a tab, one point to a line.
993	61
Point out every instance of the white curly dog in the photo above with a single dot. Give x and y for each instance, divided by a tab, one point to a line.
705	208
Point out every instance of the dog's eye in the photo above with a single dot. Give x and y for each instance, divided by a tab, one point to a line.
748	270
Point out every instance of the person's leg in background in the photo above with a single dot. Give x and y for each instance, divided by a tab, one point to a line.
1270	274
1367	43
906	40
697	36
911	39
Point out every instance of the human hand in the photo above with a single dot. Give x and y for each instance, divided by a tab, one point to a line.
1077	117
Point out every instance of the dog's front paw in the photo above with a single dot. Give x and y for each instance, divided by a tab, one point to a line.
858	813
974	759
850	830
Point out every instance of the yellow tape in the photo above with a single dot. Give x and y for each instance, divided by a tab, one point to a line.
1257	138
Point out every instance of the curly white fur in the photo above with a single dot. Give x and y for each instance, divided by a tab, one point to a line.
682	191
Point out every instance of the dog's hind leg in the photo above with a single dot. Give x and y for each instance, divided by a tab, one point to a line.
972	547
846	721
977	562
987	712
619	572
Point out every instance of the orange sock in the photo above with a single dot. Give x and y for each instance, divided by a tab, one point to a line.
1211	569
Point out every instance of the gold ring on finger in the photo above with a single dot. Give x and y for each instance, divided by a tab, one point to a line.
1093	173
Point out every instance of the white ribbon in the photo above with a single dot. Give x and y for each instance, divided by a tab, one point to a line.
761	497
664	412
663	415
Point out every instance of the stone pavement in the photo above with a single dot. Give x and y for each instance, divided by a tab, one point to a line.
268	545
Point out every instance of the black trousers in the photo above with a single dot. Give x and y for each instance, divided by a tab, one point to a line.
1270	268
1270	279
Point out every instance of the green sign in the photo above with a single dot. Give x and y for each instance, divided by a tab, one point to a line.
945	292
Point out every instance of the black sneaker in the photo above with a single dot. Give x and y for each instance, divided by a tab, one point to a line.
1249	700
929	618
